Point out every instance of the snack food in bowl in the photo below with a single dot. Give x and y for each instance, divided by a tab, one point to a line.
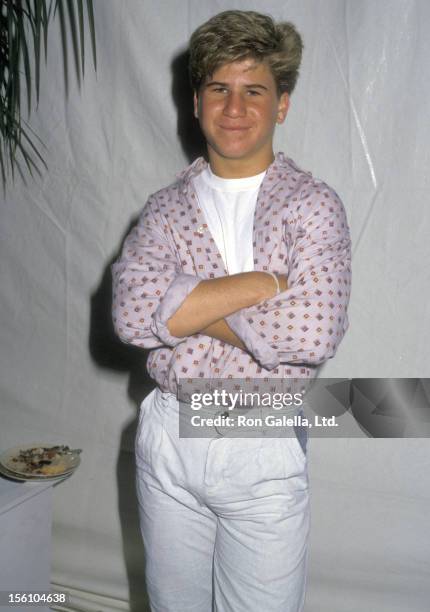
41	460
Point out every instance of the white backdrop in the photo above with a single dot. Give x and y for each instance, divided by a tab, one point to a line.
359	120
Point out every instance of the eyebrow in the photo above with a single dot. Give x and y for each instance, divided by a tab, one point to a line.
248	86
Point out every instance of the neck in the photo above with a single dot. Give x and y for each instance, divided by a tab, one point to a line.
238	168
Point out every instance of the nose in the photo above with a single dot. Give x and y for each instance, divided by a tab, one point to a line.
234	105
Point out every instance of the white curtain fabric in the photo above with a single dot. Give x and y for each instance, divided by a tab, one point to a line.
359	120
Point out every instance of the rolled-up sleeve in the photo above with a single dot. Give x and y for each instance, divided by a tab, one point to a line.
148	285
306	323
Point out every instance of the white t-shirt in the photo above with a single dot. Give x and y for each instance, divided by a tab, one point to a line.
229	206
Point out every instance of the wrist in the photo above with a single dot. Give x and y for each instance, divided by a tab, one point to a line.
266	286
275	278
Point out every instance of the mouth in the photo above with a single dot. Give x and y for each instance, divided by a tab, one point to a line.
234	128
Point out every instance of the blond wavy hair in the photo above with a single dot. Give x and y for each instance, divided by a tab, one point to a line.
237	35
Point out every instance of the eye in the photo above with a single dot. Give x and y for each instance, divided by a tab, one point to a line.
219	89
253	92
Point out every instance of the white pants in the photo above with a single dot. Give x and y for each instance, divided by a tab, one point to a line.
225	522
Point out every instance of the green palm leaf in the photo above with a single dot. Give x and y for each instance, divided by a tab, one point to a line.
23	23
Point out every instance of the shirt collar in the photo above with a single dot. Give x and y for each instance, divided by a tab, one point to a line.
279	163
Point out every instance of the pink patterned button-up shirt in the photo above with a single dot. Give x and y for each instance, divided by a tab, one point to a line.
300	230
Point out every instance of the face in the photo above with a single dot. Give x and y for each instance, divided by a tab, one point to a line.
238	108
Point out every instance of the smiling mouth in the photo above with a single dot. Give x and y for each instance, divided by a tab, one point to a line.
234	128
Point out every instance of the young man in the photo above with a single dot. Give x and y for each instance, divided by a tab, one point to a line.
239	269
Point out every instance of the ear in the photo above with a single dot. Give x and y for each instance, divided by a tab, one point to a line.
283	106
196	105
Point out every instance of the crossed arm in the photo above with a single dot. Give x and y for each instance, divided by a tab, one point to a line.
156	304
205	308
